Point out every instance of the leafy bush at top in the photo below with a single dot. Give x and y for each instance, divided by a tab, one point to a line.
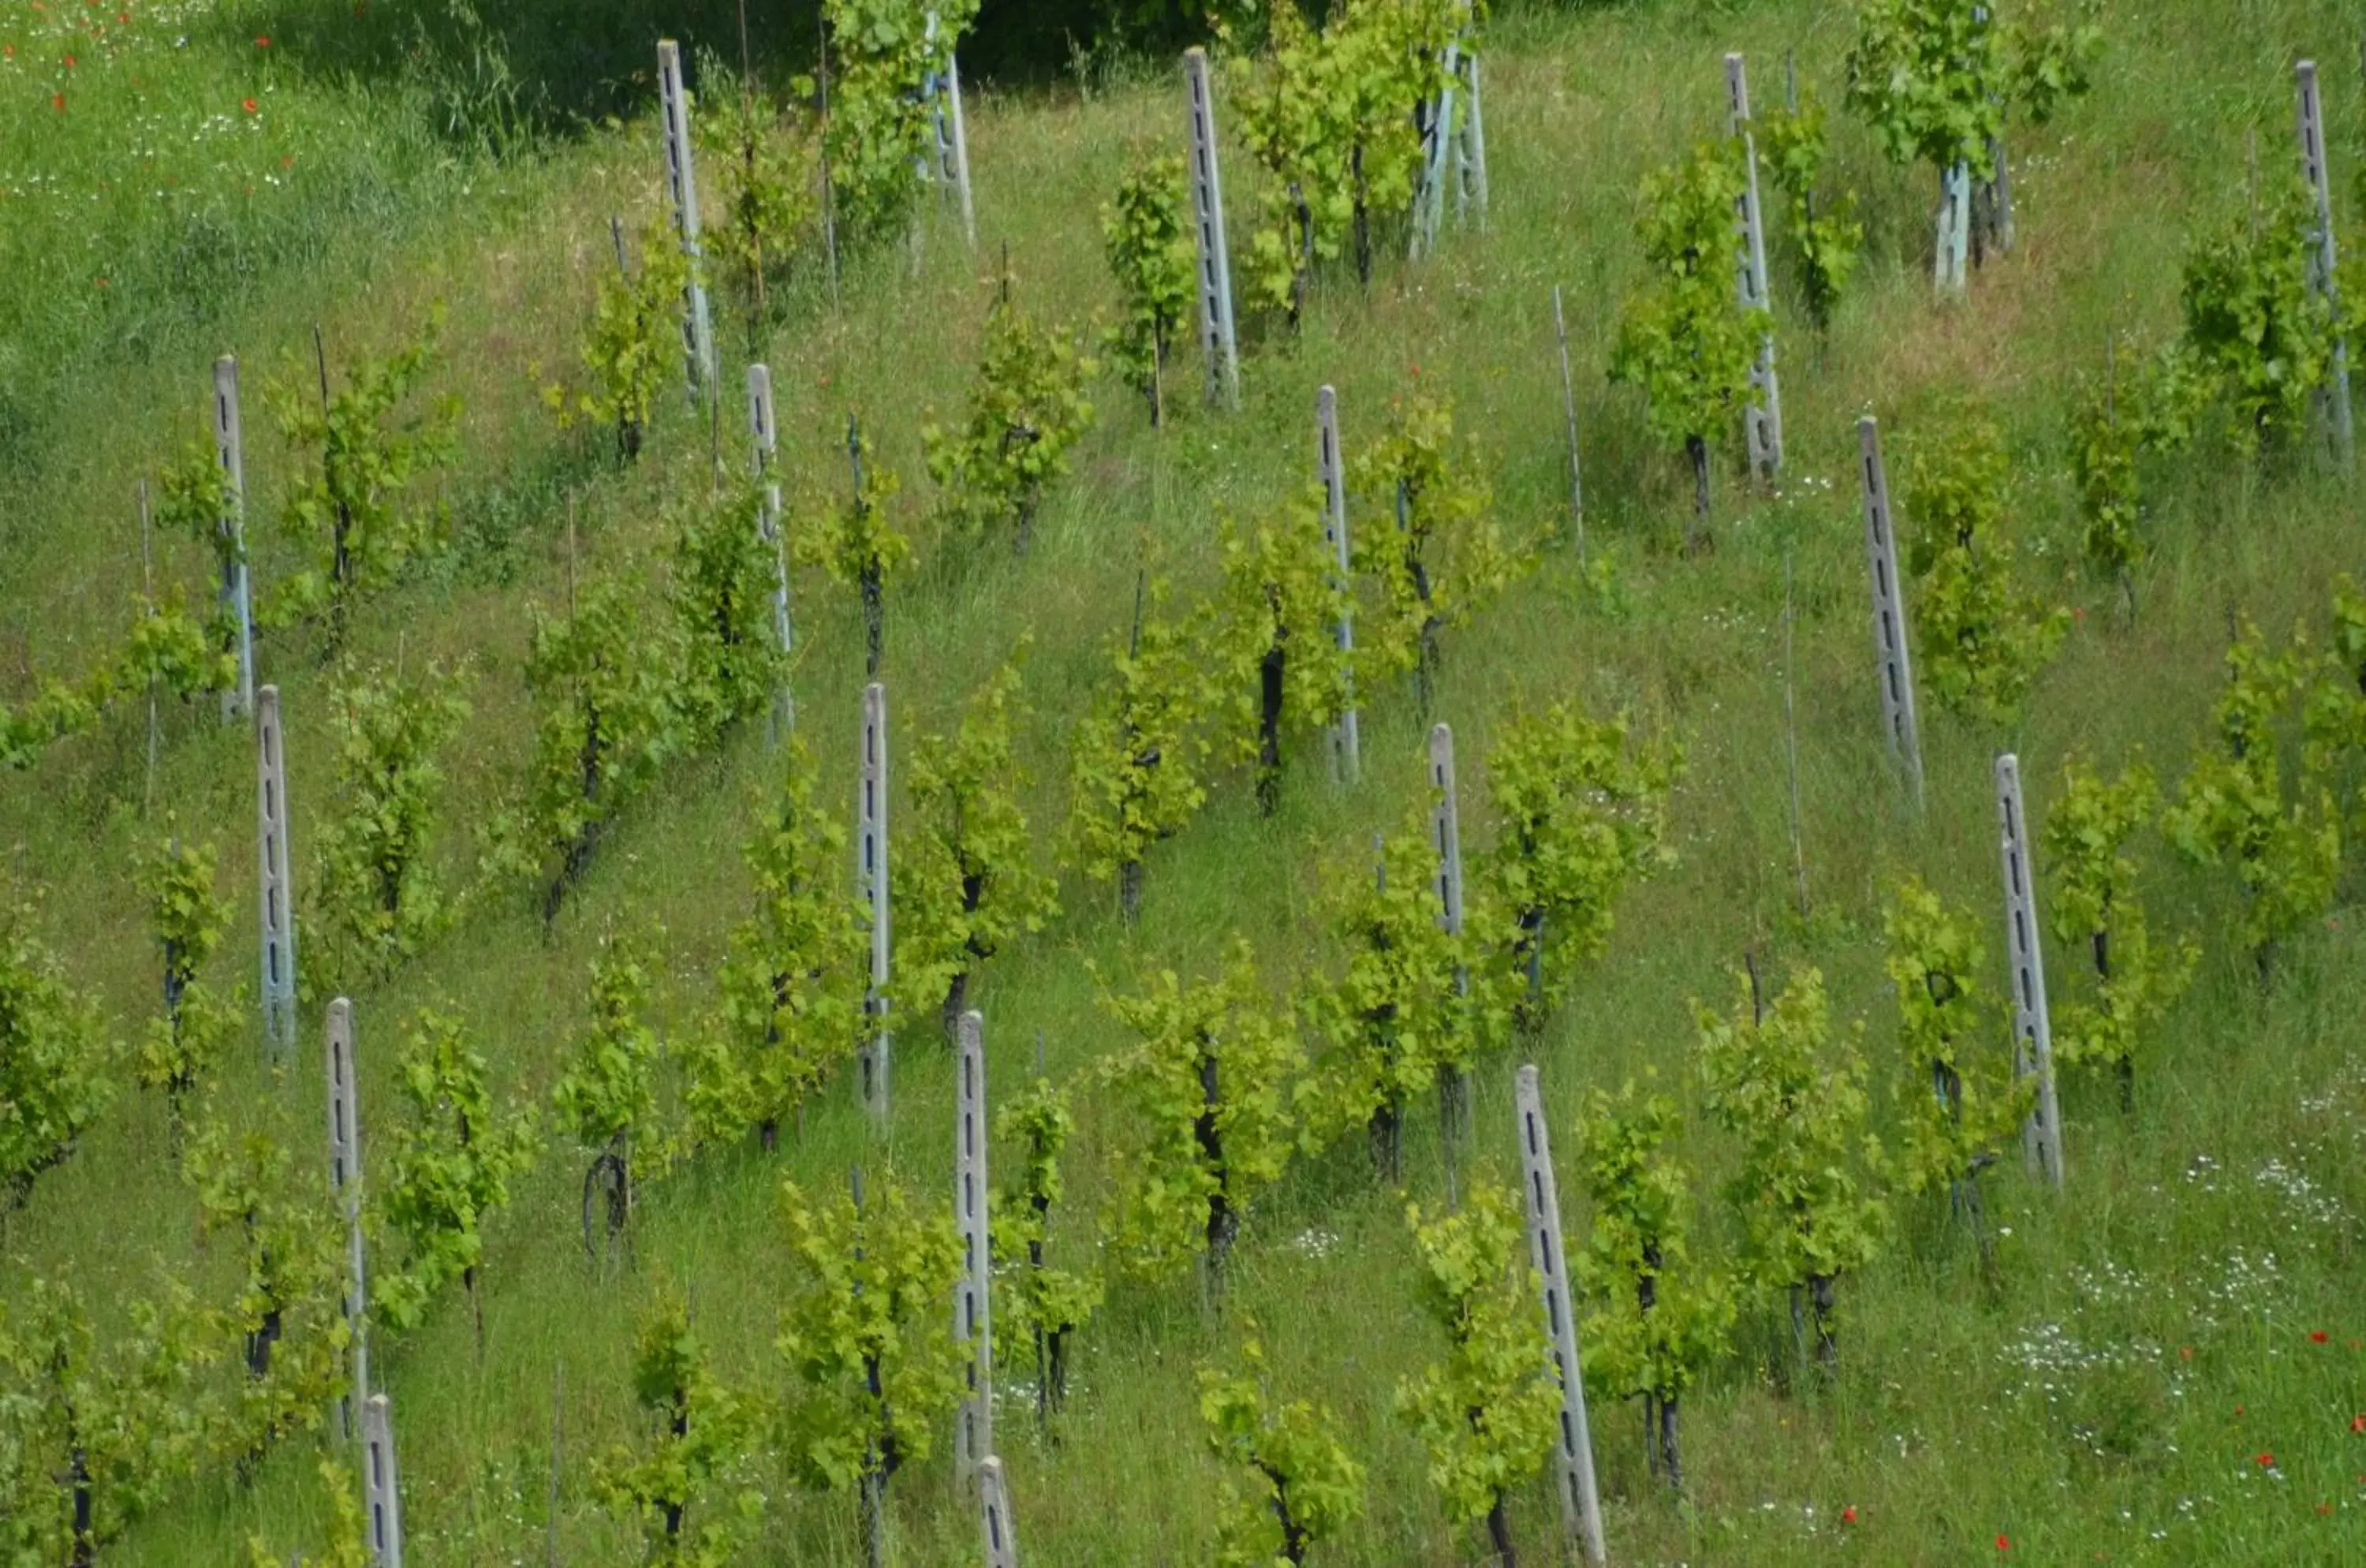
2257	339
1682	341
1488	1412
1042	1305
689	1491
1306	1486
53	1059
765	168
723	577
188	1040
1794	143
1979	641
1935	79
1271	635
881	131
1137	757
633	346
1027	408
1151	252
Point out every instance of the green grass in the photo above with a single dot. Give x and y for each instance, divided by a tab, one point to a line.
2055	1405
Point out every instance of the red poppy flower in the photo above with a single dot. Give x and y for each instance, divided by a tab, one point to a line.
69	61
2318	1336
2325	1507
2358	1424
247	103
1848	1514
57	102
2002	1543
2267	1462
261	42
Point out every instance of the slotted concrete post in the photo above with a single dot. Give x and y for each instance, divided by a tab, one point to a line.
345	1181
2033	1034
1762	418
1573	1484
764	435
973	1319
1445	829
953	137
2324	260
235	595
1438	141
277	887
1949	266
1217	341
1346	740
682	188
872	887
381	1495
994	1510
1471	148
1894	664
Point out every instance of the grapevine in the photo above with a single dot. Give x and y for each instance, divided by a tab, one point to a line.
1150	252
687	1492
857	544
1305	1488
1272	631
630	347
609	1093
53	1059
1135	759
1051	1303
880	134
186	1042
1027	408
1830	242
723	577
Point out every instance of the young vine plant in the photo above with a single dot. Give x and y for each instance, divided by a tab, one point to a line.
187	1042
607	1099
1027	409
1303	1484
377	890
689	1491
54	1059
1150	253
1043	1305
1271	629
856	542
1137	757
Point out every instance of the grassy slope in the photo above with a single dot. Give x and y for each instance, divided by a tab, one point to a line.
2055	1409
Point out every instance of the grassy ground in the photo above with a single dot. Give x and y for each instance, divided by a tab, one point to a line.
2108	1395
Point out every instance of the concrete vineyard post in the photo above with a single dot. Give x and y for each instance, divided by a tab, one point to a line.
278	892
1761	421
765	435
994	1510
2332	399
682	188
1999	192
870	886
1346	741
2033	1035
236	595
1438	141
1947	267
951	137
1894	664
1569	417
1445	829
1216	339
1470	151
381	1496
1581	1509
973	1316
345	1181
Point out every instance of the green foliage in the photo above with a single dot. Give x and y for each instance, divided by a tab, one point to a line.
188	1041
288	1311
1682	342
53	1058
1206	1085
2257	339
689	1491
1657	1320
378	891
765	173
791	994
1394	1019
857	543
1446	556
1794	143
98	1427
1979	642
1027	408
166	647
346	1546
634	344
608	1095
197	501
2235	806
724	576
356	509
1795	1096
1304	1487
451	1168
1949	1033
1150	249
965	881
881	131
1583	810
1136	758
867	1335
601	679
1039	1303
1935	79
2095	906
1272	634
1489	1410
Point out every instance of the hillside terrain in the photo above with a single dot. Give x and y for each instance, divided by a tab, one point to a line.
2163	1361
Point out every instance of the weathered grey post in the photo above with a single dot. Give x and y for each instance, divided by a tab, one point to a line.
345	1181
1216	339
1445	829
1471	150
381	1496
765	433
1569	416
2001	183
681	186
870	886
1346	740
993	1509
952	137
1947	267
973	1317
1761	421
1438	141
2333	398
2033	1035
1581	1509
271	854
1896	666
235	597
